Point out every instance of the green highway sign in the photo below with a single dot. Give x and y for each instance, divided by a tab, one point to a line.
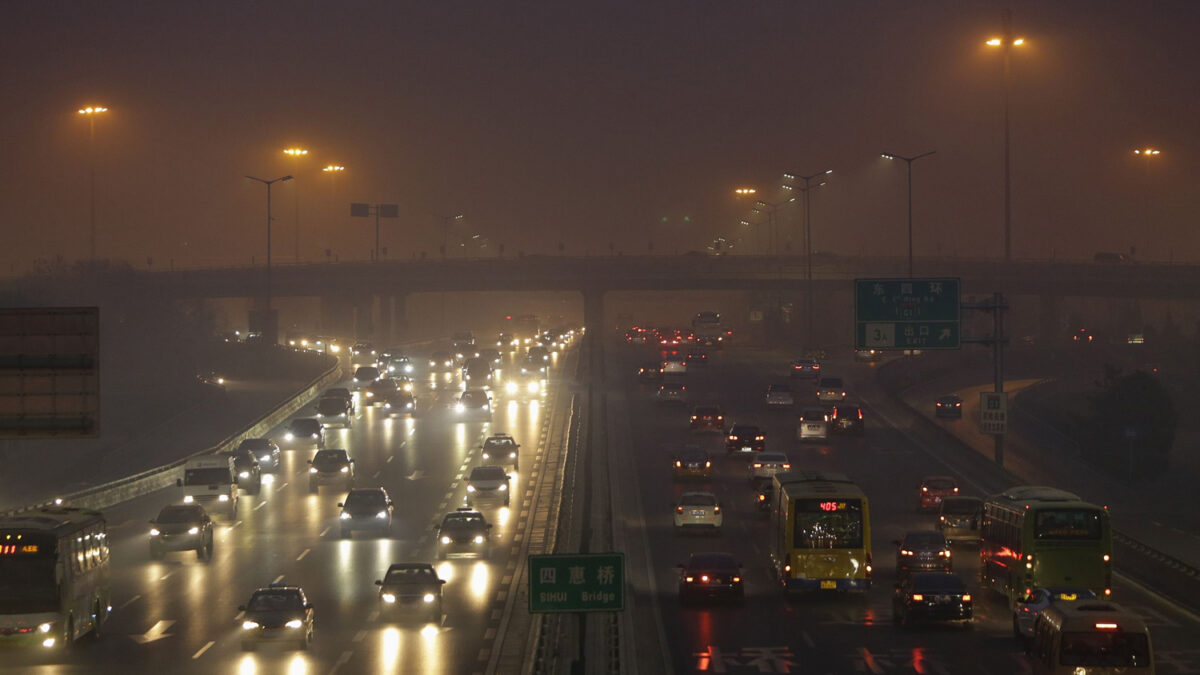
907	313
577	582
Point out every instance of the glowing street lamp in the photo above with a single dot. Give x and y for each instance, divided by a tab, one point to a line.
91	112
268	183
745	191
296	154
1005	43
909	161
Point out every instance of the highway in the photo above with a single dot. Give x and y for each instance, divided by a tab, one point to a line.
822	634
180	615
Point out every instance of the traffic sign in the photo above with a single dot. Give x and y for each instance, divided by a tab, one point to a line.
577	582
897	314
993	412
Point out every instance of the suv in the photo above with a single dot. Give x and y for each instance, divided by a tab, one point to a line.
210	481
330	467
831	389
334	411
501	449
487	482
846	417
365	375
247	470
266	451
277	613
474	401
366	508
412	588
340	392
378	391
464	532
707	418
304	432
744	439
812	425
185	527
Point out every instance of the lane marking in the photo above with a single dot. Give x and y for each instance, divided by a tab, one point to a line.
260	505
324	531
278	579
203	649
164	577
373	615
304	553
342	660
360	635
285	484
129	601
390	457
376	474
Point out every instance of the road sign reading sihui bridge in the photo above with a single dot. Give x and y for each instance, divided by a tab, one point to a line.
907	313
577	582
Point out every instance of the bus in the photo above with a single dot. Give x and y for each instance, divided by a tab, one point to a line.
820	532
54	576
1033	537
1093	637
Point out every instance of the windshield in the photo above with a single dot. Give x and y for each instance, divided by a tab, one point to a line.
1067	524
275	601
211	476
924	540
254	444
331	406
462	521
828	524
698	500
961	507
488	473
329	458
365	500
945	583
366	373
306	426
179	514
409	575
1111	649
831	382
939	484
27	584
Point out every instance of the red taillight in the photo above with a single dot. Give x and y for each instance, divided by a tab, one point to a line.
924	489
737	580
678	463
708	465
716	509
835	412
759	438
966	597
917	597
689	579
704	578
956	489
787	466
733	438
757	465
860	413
678	509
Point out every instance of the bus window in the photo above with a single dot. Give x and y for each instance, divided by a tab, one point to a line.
1109	649
1067	524
828	524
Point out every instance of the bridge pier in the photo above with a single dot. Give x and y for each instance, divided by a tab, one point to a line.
386	324
364	317
593	322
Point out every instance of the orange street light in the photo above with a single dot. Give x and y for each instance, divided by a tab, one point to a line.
745	191
296	154
90	112
1006	42
1147	152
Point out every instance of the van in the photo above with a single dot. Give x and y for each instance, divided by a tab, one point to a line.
1097	637
210	482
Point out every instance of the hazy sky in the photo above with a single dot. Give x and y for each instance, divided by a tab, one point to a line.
589	122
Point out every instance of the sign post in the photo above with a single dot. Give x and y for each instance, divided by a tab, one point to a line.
897	314
577	582
993	412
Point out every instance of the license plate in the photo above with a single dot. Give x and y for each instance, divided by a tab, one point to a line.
747	449
814	427
829	585
699	513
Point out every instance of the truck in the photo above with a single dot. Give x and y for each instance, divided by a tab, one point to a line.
211	482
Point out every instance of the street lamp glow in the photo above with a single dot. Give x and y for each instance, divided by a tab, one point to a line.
1147	152
333	167
746	191
92	110
295	152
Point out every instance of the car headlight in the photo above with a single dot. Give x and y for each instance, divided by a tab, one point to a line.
503	487
223	498
193	530
244	474
485	455
381	515
314	437
312	469
512	455
511	387
345	469
445	540
428	598
478	539
249	625
470	488
187	499
387	406
294	623
265	458
288	436
153	533
344	516
388	597
408	369
458	407
408	405
45	627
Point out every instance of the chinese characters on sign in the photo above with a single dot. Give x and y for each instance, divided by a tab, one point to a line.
577	582
907	313
993	412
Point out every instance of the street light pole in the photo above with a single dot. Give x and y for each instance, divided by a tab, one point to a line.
1006	42
90	112
268	183
445	230
808	278
295	154
909	161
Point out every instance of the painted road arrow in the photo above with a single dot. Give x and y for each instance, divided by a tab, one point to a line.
157	632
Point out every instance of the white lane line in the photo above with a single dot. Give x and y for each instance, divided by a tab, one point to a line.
342	660
203	649
285	484
376	474
324	532
129	602
164	577
808	641
278	579
302	554
373	615
390	457
360	636
260	505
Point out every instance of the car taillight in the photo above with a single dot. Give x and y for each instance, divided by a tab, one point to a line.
787	466
732	438
956	489
917	597
678	463
716	509
924	489
757	465
737	580
860	414
704	578
966	597
678	509
759	438
708	465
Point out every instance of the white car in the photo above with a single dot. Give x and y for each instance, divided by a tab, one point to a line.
487	483
780	396
831	390
698	509
676	365
813	425
671	392
767	464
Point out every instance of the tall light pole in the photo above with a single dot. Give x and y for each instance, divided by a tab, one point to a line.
742	193
909	161
445	229
90	112
1006	42
296	154
808	185
1148	155
268	183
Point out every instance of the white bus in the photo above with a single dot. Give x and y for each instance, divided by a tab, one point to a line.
54	581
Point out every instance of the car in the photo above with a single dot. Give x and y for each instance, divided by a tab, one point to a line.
334	411
490	355
868	354
342	393
376	392
1083	337
365	375
504	341
671	392
692	462
744	439
474	402
538	353
246	470
533	365
922	551
182	527
212	379
779	396
650	372
763	491
830	389
959	518
933	490
710	576
697	358
277	613
441	362
707	418
698	509
812	424
477	372
365	509
949	406
525	385
1030	605
412	589
488	483
304	432
463	350
767	464
362	349
846	418
265	450
399	402
501	449
675	365
330	467
464	532
931	596
398	364
805	368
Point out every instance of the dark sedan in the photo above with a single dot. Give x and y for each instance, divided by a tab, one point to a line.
931	596
710	576
846	418
744	439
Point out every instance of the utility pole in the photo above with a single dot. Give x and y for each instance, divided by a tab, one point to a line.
997	306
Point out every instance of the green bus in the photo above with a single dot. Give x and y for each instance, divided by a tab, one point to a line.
820	532
1034	537
54	576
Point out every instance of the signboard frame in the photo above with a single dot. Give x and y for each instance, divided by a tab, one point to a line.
584	573
897	314
993	412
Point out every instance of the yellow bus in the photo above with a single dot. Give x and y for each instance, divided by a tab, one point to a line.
820	532
1040	537
54	581
1096	637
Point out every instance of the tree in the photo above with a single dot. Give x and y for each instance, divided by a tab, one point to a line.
1133	424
